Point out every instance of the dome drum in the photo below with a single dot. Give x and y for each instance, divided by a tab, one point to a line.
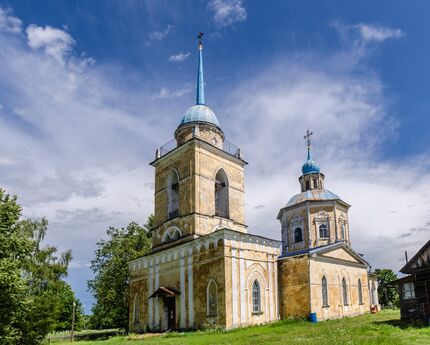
312	181
202	130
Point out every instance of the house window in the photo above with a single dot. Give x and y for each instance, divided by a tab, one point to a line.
344	292
324	291
323	230
408	290
256	300
360	292
298	235
136	309
212	299
173	194
221	194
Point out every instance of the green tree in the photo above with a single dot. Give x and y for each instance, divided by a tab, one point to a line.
387	295
110	285
31	276
65	310
12	285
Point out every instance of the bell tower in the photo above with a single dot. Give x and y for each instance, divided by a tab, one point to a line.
199	177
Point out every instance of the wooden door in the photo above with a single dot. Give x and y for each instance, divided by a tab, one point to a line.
171	313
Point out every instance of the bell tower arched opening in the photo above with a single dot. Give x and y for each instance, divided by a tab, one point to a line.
222	207
173	194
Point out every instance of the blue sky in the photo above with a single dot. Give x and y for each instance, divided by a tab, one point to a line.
89	90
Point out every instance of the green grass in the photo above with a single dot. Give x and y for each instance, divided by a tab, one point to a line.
382	328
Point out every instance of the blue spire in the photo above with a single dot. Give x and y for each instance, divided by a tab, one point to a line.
200	112
200	81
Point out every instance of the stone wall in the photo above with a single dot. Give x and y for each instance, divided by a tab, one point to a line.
294	287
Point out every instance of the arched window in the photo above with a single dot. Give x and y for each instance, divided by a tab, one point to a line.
221	194
256	298
373	294
360	292
172	234
342	231
323	230
298	235
136	309
324	291
344	292
212	299
173	194
176	235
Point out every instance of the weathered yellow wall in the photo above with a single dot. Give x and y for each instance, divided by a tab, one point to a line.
334	274
294	287
138	287
209	265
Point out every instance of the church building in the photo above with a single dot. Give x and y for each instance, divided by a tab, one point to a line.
205	268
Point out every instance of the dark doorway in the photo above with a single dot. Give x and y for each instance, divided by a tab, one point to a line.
171	313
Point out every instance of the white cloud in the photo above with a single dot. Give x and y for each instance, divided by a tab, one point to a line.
55	42
179	57
160	35
227	12
9	23
167	93
377	33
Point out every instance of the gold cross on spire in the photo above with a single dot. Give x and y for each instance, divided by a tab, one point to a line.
308	137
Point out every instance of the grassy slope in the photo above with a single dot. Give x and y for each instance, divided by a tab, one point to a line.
383	328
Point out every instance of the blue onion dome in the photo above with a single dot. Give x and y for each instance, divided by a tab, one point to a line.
199	113
310	167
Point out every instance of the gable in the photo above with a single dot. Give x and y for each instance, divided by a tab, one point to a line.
419	260
341	254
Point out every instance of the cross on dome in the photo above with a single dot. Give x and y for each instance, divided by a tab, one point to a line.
310	165
308	137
